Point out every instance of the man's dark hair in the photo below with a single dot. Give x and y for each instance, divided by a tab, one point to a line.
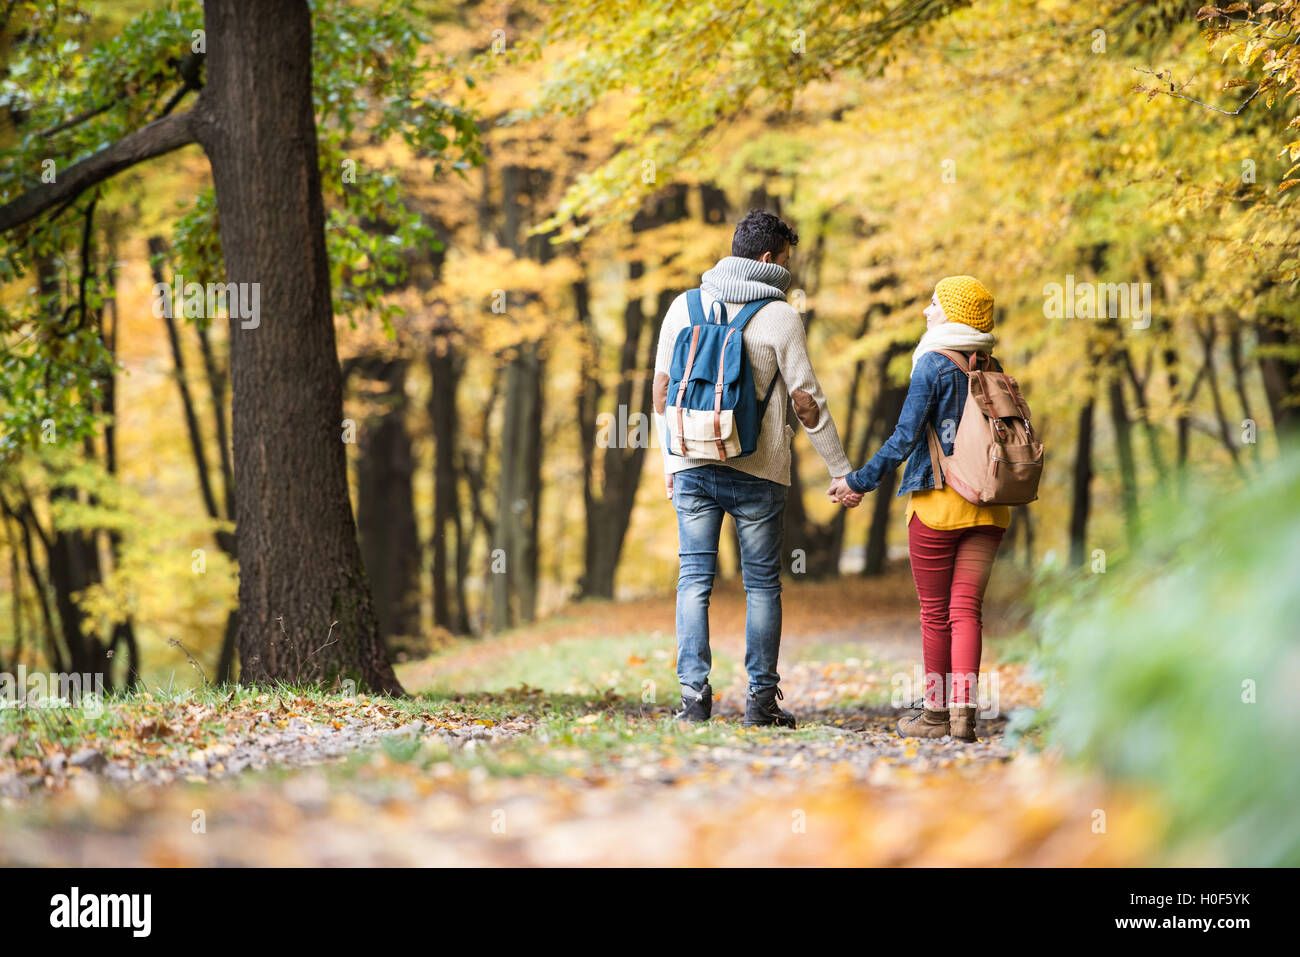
762	232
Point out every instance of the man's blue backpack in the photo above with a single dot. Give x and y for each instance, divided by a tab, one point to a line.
712	409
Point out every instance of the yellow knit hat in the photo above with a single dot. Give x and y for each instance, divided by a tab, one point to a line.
964	299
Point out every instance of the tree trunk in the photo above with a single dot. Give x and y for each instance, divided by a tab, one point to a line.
445	369
216	384
1123	427
305	608
1281	373
1239	384
1209	335
877	550
886	409
1082	496
514	586
514	591
123	631
1022	528
1149	427
390	540
609	513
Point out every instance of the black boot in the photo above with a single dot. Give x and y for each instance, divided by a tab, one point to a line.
696	705
762	710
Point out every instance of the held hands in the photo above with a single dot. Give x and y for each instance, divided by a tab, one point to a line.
841	492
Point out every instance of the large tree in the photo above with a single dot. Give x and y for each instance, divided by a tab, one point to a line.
305	607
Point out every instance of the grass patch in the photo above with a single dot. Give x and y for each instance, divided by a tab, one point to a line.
632	666
576	742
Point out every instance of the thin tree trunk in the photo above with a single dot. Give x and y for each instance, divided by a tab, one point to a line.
886	409
515	589
26	520
1081	500
608	511
520	487
123	631
226	541
390	541
1123	428
445	370
1239	384
1149	427
1208	338
1281	373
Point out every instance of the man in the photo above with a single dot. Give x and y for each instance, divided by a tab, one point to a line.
751	488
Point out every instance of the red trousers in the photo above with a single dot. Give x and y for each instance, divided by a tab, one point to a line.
951	569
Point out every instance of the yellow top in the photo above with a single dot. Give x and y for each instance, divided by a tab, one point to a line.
946	509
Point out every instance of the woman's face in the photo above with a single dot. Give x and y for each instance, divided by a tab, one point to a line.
934	313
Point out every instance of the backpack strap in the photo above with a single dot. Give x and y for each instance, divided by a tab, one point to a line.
966	365
748	312
695	308
717	395
686	379
742	319
936	454
960	360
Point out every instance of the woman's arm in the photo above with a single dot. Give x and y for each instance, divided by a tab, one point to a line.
922	394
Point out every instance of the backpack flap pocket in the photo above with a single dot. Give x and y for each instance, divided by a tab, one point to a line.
1014	472
702	433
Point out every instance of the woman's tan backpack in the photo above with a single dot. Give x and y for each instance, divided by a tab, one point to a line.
996	460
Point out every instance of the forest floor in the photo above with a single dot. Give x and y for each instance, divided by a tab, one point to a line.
555	745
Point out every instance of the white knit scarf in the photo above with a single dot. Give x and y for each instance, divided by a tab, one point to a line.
956	336
737	279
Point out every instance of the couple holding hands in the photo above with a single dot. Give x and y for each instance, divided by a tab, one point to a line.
732	356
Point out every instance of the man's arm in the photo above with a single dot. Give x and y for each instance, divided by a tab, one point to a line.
810	405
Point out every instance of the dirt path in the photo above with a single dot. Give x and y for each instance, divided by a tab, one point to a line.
550	778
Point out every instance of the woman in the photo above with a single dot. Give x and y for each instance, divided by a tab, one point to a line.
951	542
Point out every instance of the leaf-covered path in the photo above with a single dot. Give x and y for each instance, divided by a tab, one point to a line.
557	747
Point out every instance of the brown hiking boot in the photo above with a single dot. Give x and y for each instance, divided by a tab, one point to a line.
962	722
928	724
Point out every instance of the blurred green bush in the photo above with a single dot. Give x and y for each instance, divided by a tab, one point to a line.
1179	668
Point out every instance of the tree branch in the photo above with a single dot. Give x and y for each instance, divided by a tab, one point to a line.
159	137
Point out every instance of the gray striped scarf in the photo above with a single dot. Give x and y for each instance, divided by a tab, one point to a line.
737	279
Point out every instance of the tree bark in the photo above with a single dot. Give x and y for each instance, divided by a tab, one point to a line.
1081	501
1209	335
305	607
1239	384
1281	373
1123	428
886	409
390	540
445	370
1149	427
514	590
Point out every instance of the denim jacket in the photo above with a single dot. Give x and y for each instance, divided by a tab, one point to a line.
936	396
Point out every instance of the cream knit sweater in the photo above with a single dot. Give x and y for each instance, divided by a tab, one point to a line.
776	345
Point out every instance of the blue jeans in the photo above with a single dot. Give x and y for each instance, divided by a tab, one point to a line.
701	495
